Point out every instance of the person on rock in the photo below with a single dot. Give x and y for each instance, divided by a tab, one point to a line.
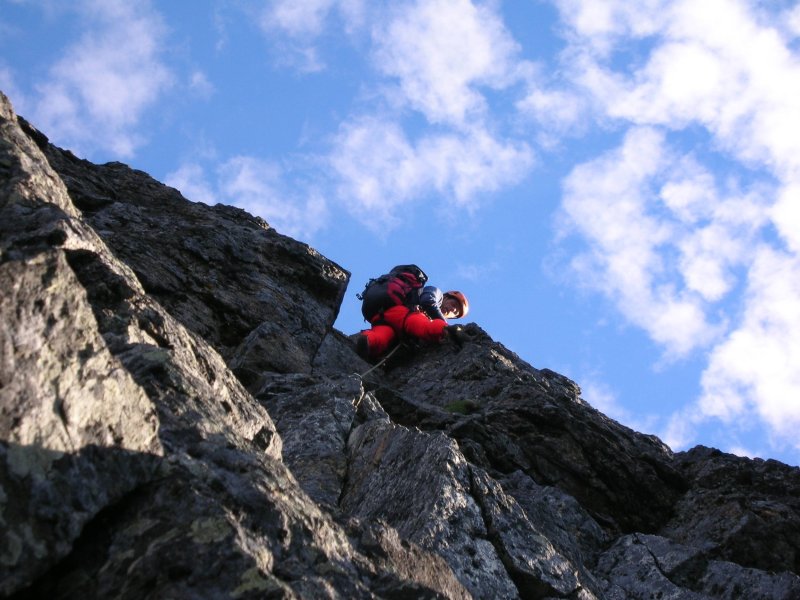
400	306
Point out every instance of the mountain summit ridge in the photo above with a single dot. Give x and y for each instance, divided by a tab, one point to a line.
181	419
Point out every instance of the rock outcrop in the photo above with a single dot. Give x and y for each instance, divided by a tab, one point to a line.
180	419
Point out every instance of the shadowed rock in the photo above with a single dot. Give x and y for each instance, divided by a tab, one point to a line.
739	509
262	300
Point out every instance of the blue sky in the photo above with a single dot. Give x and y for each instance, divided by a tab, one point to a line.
615	185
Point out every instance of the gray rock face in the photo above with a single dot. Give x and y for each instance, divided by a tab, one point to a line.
429	503
78	431
740	510
517	418
647	566
179	419
262	300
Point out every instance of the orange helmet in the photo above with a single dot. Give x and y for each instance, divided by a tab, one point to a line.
462	302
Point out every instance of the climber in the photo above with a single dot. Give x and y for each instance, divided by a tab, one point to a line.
400	306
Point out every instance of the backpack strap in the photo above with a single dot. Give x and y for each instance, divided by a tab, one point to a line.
400	286
414	270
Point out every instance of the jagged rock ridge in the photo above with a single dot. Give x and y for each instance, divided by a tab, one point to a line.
180	419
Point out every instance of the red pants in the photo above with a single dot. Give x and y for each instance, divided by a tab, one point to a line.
400	320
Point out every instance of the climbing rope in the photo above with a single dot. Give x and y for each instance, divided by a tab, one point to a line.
383	360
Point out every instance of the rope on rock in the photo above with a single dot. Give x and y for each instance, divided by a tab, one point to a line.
383	360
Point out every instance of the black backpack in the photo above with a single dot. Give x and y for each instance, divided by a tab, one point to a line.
400	286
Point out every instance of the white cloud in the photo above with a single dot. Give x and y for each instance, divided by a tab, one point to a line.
441	51
308	19
688	82
614	203
681	430
199	84
757	368
299	24
786	214
262	188
477	272
717	64
718	232
464	165
743	452
713	63
557	110
9	87
693	196
665	243
98	91
190	179
380	170
602	397
601	23
298	18
792	20
434	57
732	70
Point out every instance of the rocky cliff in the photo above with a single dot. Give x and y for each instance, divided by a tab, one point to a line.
180	419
